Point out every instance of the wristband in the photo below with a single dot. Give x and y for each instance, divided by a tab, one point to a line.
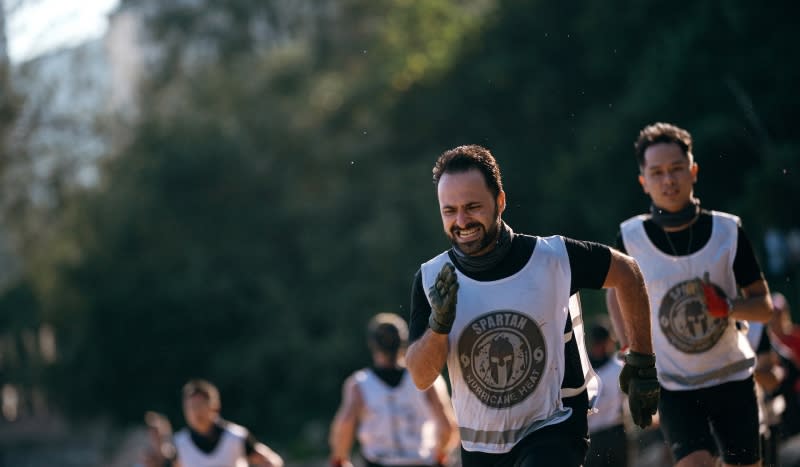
438	327
641	360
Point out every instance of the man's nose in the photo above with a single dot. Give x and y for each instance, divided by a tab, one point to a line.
462	219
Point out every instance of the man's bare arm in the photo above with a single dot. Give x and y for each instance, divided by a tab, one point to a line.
442	410
425	358
755	303
264	456
343	428
630	292
616	318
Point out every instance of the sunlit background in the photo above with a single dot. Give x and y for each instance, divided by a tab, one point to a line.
35	27
229	189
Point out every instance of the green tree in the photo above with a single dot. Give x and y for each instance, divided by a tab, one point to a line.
275	196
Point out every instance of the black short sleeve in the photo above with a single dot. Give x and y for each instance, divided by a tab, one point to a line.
250	444
764	345
420	309
589	263
745	265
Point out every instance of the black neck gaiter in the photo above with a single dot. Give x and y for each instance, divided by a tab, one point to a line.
490	259
597	362
664	218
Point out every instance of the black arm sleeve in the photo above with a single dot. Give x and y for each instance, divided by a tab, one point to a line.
589	263
745	265
764	345
250	444
420	309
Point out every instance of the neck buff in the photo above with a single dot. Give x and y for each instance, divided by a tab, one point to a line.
664	218
490	259
597	362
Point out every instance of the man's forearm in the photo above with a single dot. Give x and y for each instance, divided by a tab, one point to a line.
615	315
755	304
631	294
341	439
426	357
635	308
266	457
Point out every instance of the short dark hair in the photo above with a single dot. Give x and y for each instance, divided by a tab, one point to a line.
662	133
467	157
203	388
387	332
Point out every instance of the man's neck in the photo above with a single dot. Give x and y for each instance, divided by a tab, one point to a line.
681	227
680	219
212	431
381	360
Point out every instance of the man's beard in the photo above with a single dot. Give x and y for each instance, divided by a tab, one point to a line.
489	236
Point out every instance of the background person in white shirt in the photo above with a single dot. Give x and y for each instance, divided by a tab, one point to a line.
208	440
608	441
395	423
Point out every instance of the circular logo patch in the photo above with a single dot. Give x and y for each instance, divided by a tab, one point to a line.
502	356
685	322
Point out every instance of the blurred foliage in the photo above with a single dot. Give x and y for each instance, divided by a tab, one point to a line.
276	194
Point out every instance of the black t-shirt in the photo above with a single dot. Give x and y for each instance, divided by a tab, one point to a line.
764	344
746	269
589	263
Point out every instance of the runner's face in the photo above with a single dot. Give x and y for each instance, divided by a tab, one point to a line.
470	214
199	414
668	176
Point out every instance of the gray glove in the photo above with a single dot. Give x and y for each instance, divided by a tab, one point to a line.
442	295
638	379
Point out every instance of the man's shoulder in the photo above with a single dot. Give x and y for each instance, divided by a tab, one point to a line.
361	375
549	243
182	434
436	260
525	239
726	216
637	219
438	255
235	429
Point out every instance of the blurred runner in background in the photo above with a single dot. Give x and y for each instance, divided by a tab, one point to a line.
395	423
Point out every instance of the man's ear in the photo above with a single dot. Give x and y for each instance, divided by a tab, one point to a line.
501	201
641	182
694	169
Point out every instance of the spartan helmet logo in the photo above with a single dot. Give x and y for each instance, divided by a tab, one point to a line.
685	322
501	360
502	356
694	320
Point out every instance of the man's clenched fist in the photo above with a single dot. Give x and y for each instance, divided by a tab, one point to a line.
638	379
442	295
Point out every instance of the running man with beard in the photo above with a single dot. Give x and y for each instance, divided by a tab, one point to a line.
702	276
499	309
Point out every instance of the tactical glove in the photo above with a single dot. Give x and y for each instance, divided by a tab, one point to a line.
639	381
442	295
